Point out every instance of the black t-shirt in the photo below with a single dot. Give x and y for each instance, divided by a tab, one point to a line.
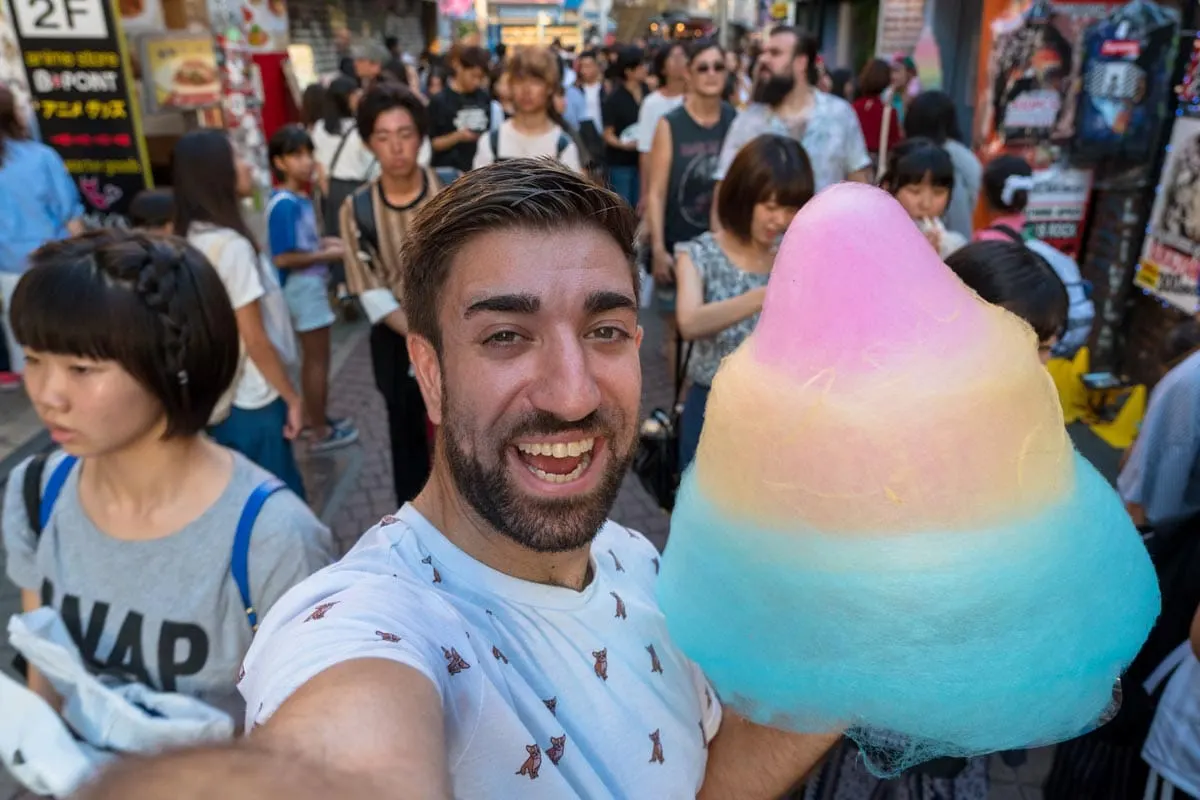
450	111
621	111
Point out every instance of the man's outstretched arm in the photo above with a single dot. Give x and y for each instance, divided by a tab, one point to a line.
753	762
369	729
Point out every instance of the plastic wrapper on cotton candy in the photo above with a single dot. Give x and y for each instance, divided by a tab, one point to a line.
886	530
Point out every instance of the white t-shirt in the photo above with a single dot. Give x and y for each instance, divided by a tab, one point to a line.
546	692
239	268
514	144
654	107
591	97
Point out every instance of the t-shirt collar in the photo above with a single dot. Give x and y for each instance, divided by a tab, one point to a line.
484	579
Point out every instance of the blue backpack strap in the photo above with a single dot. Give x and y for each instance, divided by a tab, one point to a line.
240	562
53	490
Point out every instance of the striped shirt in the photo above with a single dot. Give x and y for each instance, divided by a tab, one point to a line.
377	278
1163	474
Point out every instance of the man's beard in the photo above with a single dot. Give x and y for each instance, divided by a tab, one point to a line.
542	525
771	89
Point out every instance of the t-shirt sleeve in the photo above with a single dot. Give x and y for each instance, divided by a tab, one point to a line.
710	704
237	264
331	619
647	122
570	157
282	225
1161	464
287	545
20	544
484	155
738	135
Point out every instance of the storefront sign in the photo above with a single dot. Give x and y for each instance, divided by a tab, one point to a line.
1058	206
1169	267
74	57
900	24
180	72
1030	72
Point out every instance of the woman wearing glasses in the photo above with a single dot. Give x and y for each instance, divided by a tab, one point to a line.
683	160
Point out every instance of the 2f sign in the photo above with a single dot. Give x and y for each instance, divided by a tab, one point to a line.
60	19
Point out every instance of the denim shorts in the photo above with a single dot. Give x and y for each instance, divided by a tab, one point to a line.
308	302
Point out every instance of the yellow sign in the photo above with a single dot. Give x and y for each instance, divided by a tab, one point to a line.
781	10
180	72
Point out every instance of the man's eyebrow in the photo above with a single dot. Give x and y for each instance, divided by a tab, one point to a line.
505	304
600	302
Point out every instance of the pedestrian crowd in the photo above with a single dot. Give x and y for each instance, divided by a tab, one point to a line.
499	219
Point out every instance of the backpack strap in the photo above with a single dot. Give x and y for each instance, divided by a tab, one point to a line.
363	205
39	505
494	141
240	561
1010	232
340	147
564	142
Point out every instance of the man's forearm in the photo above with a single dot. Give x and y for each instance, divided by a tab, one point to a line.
237	771
300	260
445	142
749	762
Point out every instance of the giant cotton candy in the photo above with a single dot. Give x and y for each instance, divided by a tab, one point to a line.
886	529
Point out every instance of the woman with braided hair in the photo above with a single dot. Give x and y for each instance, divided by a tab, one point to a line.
158	547
266	411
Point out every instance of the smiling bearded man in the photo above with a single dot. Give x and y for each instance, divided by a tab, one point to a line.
496	637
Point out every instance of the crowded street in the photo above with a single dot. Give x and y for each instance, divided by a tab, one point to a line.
605	399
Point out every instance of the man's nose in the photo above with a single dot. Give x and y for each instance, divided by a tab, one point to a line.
566	386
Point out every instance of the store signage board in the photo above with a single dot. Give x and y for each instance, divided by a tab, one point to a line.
1170	264
180	72
1058	205
78	69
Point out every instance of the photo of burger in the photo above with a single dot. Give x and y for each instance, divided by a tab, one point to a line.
184	72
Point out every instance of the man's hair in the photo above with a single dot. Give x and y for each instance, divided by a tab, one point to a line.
470	58
933	115
519	193
806	45
383	97
701	46
768	168
149	302
288	140
535	62
875	78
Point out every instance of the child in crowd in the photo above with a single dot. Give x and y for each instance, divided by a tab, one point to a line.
129	530
1014	277
153	210
920	175
303	259
265	411
1007	181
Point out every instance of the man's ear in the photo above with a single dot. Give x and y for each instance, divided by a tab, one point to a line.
427	367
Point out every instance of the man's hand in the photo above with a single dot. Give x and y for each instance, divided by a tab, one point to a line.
467	136
333	248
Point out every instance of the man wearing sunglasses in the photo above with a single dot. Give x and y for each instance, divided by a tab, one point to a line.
788	103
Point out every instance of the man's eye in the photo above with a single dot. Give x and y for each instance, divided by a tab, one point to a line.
610	333
503	337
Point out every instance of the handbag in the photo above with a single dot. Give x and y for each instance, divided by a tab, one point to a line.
656	463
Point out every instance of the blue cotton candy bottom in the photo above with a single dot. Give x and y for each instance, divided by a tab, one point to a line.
917	645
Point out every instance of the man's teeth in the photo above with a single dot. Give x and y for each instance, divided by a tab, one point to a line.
558	449
550	477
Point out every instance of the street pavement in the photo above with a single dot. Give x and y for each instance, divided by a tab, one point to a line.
351	490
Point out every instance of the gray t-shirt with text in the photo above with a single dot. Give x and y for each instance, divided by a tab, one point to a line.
164	612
